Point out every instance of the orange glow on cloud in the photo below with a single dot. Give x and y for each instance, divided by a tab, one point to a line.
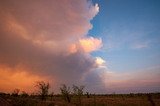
11	78
73	48
90	44
86	45
13	26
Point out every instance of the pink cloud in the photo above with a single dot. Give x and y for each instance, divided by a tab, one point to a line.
145	80
18	77
90	44
47	39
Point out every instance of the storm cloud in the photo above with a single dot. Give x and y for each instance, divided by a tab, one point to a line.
47	39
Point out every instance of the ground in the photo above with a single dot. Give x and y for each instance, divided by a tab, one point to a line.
93	100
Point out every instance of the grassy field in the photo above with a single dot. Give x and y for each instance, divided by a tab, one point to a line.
93	100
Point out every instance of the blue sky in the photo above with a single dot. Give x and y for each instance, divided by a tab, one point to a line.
130	33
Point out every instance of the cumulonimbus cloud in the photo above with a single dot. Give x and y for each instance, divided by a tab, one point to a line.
48	38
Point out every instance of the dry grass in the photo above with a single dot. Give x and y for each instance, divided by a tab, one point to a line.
97	100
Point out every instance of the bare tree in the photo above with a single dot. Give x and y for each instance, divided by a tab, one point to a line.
78	91
65	91
43	88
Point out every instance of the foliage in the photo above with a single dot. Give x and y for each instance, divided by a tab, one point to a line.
145	99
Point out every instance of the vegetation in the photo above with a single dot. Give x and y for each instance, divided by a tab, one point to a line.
78	92
17	98
15	92
65	91
24	94
87	93
43	89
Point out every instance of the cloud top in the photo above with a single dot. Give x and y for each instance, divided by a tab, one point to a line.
47	39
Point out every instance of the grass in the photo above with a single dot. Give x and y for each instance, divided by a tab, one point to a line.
93	100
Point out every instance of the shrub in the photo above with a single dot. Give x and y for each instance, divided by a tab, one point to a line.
78	91
88	95
65	91
43	89
24	94
15	92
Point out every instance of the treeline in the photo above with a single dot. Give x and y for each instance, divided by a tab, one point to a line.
66	92
69	94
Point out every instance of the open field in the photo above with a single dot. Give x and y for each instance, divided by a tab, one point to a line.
93	100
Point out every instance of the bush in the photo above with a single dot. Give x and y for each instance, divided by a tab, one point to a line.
43	89
78	92
65	91
24	94
15	92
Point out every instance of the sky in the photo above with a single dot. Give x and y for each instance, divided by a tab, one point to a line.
109	46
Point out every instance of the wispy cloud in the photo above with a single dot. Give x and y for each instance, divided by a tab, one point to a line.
140	45
134	36
143	80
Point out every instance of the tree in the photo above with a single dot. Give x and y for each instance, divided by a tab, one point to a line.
87	93
65	91
43	88
15	92
24	94
78	91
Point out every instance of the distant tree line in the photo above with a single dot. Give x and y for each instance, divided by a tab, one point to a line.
75	92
